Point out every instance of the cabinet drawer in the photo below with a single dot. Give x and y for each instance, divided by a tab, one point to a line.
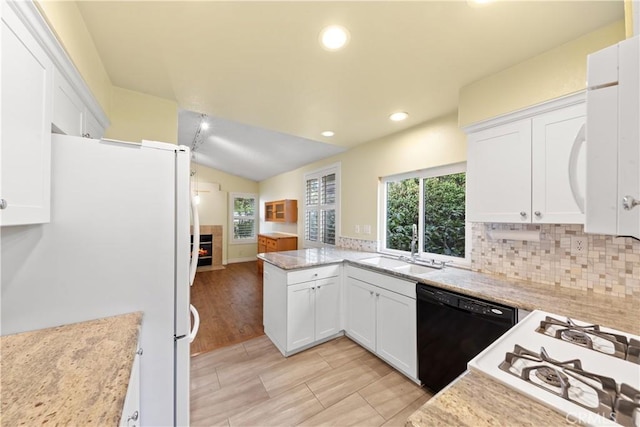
384	281
272	244
307	275
262	240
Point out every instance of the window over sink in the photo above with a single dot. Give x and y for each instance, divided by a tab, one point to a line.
434	200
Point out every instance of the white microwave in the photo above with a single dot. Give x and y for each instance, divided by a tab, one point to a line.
612	202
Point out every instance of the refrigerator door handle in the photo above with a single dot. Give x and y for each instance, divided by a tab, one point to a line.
573	168
196	323
196	241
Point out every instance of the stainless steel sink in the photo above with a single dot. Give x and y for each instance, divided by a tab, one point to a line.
385	262
399	265
414	269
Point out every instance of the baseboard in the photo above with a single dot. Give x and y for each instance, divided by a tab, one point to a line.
245	259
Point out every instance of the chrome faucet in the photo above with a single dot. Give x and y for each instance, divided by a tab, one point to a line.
414	243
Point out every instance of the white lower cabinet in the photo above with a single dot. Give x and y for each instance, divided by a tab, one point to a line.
131	409
301	307
361	313
313	312
382	317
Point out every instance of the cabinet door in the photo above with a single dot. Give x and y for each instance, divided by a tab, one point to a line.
68	110
27	83
396	337
629	138
92	127
300	315
327	309
275	305
361	313
555	158
499	174
131	409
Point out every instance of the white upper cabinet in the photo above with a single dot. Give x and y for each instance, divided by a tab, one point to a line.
68	109
529	166
558	164
40	91
613	158
27	93
71	115
499	174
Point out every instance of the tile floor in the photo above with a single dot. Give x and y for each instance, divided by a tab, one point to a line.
336	383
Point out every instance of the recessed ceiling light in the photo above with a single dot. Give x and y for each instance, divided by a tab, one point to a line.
204	125
477	3
334	37
399	116
327	133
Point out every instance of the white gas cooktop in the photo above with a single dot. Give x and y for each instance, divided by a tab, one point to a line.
590	374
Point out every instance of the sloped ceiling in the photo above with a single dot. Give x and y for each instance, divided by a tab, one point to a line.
260	63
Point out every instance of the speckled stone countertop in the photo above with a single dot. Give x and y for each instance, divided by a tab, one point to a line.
475	400
305	258
74	374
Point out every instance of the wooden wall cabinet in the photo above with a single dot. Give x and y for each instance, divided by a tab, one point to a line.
275	242
281	211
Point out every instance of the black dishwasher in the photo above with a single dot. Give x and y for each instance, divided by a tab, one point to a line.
452	330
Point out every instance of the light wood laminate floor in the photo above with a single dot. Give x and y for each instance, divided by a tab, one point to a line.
336	383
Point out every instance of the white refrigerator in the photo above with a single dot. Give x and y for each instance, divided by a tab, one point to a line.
118	242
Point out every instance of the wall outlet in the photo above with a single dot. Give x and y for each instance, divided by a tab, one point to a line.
367	229
357	229
578	245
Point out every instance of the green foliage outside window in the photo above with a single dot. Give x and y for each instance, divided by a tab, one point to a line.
402	212
444	214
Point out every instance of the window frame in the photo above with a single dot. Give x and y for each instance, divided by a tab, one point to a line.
232	217
421	175
319	173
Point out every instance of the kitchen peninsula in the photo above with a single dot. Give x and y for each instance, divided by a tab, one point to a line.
473	399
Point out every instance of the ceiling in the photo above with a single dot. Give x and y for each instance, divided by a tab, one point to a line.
247	151
260	63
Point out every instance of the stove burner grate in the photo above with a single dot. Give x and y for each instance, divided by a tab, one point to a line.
567	379
591	337
576	337
551	376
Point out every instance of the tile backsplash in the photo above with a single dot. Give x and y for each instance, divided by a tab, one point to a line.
609	265
357	244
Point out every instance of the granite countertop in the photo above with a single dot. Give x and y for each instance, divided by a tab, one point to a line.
306	258
74	374
474	399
